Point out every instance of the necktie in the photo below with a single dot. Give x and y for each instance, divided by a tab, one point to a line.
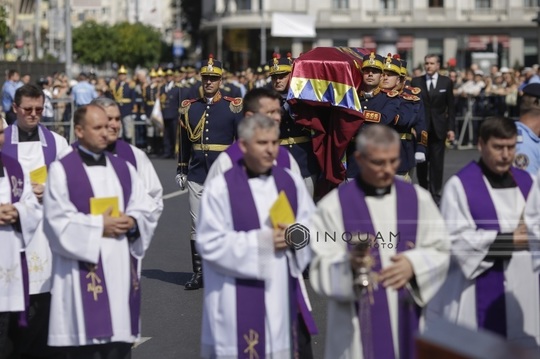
431	87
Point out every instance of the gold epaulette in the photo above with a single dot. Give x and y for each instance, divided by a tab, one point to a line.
392	93
372	116
414	90
236	103
409	97
185	105
424	138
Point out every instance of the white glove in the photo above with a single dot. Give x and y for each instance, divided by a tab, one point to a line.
420	157
181	181
146	120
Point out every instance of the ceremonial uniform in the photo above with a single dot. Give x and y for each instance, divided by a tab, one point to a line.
96	293
486	287
125	95
254	301
384	326
208	127
295	138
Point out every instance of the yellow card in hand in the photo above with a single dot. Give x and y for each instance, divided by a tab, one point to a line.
281	211
39	175
99	205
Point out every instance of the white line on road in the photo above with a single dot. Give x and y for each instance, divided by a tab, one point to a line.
174	194
142	340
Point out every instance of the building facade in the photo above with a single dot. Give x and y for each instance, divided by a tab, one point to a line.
454	29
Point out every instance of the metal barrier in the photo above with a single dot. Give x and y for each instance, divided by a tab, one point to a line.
62	120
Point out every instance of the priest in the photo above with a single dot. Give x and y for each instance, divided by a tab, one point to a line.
380	254
492	284
255	304
96	291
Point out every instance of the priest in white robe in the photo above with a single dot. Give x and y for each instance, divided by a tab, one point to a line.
96	293
380	254
20	214
492	284
255	304
35	148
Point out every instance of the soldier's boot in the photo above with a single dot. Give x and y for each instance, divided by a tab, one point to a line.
196	280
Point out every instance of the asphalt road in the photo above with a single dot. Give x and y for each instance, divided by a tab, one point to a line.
171	316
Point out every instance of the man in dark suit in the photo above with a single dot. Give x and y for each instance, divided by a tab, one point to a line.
438	99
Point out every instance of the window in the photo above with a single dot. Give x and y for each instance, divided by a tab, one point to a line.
243	4
435	46
340	4
387	4
483	4
531	3
436	3
340	43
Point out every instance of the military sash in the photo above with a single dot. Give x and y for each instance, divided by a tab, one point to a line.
235	153
96	308
48	144
250	301
490	292
16	180
374	316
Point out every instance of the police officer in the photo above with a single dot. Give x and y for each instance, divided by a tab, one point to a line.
296	138
208	127
125	94
378	105
528	127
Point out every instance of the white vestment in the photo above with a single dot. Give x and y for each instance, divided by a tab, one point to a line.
228	255
14	242
38	253
457	299
331	274
223	163
75	237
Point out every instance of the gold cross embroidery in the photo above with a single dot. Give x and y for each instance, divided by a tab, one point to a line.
252	340
94	286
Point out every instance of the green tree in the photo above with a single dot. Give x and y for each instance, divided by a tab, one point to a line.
4	29
93	43
136	44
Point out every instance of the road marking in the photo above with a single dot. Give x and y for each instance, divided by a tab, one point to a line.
141	341
174	194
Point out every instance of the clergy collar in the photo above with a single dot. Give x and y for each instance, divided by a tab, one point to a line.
90	158
370	190
506	180
252	174
111	147
1	168
28	136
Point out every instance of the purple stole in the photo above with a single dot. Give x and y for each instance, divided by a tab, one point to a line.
123	150
374	318
250	301
16	180
94	294
490	296
235	153
49	151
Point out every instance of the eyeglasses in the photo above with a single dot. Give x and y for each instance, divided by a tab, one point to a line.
29	110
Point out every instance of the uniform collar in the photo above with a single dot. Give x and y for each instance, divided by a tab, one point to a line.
215	99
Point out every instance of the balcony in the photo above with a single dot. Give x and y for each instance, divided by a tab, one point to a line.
485	14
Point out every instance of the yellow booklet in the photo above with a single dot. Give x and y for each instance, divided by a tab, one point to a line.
281	211
39	175
99	205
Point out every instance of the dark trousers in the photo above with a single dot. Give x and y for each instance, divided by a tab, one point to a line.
101	351
169	136
430	173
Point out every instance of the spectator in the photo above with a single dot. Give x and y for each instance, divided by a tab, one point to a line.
8	95
83	92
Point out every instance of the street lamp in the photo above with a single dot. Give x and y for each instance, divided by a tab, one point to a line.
537	21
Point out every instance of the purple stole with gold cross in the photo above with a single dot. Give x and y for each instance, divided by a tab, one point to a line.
490	292
250	301
374	316
16	180
95	300
11	146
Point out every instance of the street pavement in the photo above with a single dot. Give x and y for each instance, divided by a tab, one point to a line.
171	316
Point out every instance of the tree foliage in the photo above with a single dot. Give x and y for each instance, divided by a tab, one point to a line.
4	29
124	43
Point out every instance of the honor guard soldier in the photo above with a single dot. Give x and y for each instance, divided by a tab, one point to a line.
124	94
378	105
296	138
208	127
191	81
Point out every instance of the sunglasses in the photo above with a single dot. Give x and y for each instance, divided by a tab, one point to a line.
29	110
